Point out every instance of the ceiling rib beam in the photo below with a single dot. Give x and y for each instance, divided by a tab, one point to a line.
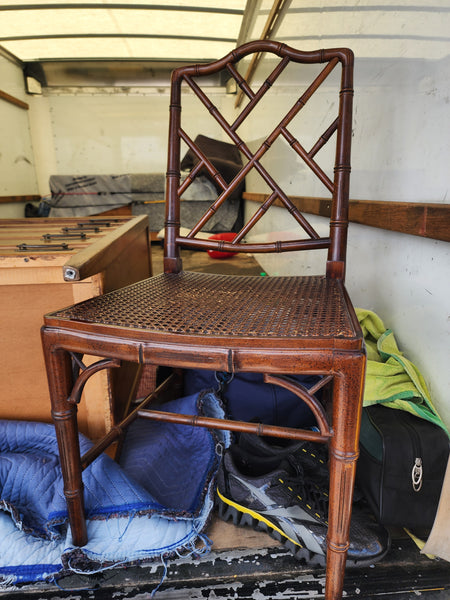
278	9
108	5
63	36
250	13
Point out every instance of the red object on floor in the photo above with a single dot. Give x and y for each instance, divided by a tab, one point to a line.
227	237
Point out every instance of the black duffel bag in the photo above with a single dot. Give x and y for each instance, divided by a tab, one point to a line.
401	467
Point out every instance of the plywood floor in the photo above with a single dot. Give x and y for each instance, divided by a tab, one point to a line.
198	260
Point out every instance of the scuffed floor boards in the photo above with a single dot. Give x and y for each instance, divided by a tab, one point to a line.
247	565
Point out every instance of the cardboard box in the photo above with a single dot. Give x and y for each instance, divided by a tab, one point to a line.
43	277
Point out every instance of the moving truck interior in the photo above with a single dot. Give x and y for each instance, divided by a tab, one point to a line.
85	94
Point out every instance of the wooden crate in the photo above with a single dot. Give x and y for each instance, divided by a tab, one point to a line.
38	280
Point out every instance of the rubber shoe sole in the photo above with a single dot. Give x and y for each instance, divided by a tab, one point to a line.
273	496
242	516
245	517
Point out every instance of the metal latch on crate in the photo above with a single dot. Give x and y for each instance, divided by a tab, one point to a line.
27	247
79	228
98	222
57	236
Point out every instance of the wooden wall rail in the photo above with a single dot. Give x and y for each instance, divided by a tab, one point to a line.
414	218
14	100
11	199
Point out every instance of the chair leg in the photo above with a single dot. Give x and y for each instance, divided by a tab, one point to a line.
344	444
64	413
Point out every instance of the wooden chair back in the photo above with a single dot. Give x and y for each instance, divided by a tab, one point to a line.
339	128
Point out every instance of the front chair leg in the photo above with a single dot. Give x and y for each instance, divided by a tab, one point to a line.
344	451
64	413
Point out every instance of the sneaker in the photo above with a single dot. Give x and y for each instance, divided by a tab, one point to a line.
313	458
273	496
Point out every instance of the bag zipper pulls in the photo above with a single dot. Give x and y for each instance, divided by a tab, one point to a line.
417	475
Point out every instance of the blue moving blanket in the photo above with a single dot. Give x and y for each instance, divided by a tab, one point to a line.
155	504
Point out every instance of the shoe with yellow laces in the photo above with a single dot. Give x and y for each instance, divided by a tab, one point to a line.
273	495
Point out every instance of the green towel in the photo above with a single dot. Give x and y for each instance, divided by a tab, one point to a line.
392	379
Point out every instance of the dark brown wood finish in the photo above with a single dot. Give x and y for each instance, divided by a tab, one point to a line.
13	199
424	219
184	319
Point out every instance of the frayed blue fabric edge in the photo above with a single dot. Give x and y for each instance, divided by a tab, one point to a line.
194	543
86	561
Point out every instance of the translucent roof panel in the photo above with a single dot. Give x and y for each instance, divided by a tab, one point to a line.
188	29
195	30
372	28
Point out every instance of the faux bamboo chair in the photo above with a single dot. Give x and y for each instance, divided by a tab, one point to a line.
279	326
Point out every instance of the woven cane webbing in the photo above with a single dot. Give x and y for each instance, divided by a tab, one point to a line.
147	382
222	305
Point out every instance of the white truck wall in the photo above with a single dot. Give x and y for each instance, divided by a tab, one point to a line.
17	169
106	131
400	152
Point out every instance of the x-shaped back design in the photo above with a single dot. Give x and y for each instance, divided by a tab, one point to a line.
254	158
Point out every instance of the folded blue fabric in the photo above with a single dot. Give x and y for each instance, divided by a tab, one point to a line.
248	398
154	504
